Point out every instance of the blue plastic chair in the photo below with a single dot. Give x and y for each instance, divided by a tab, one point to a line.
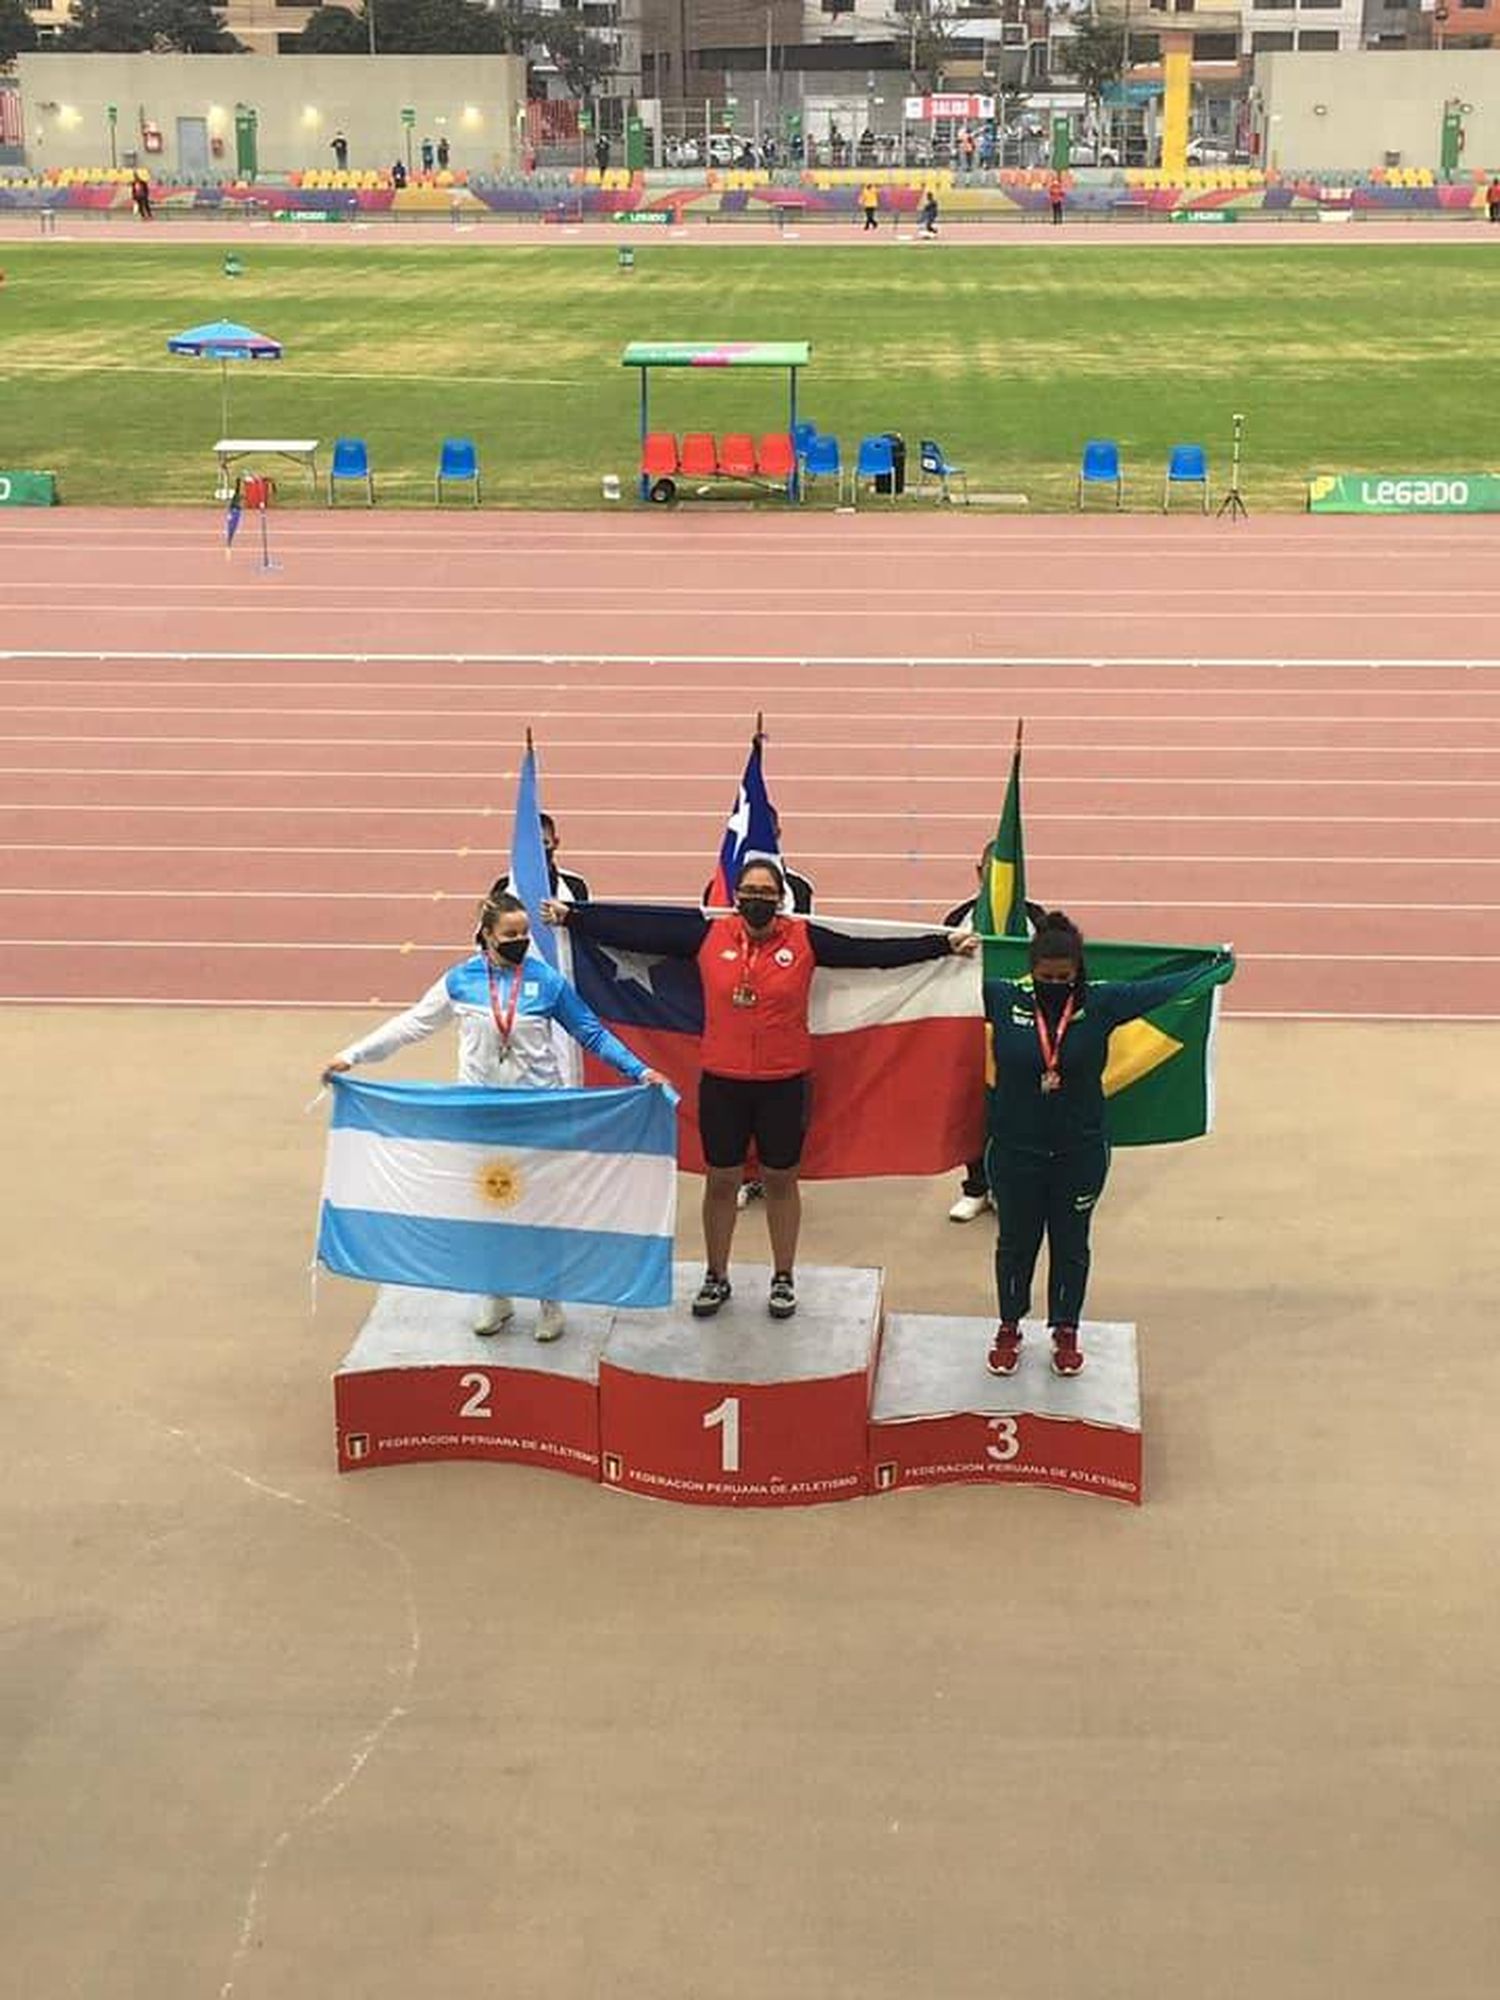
934	466
802	437
876	460
1187	465
351	460
821	461
1101	467
458	460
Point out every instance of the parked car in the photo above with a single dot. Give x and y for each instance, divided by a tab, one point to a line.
723	149
1207	153
1090	153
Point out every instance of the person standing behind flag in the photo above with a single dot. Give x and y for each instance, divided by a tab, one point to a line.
567	888
756	970
504	1000
997	909
974	1195
1048	1148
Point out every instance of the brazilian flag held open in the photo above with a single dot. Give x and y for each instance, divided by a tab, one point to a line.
1159	1080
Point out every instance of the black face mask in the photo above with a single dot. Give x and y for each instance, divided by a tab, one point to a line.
758	911
1052	994
512	950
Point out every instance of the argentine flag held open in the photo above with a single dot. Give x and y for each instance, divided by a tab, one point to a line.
550	1194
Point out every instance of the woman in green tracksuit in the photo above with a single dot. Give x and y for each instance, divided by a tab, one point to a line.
1048	1148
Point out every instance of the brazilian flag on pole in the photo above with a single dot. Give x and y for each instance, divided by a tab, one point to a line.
1159	1081
1000	909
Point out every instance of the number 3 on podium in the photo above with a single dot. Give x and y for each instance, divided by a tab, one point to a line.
1006	1443
726	1419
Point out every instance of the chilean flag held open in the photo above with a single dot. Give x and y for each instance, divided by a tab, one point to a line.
898	1062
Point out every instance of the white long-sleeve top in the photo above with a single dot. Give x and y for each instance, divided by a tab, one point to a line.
529	1060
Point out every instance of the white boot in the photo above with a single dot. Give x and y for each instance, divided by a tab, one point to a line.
495	1318
550	1323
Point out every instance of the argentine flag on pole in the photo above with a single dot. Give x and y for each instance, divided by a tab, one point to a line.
528	858
552	1194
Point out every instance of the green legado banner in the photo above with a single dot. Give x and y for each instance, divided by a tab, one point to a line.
1404	493
28	489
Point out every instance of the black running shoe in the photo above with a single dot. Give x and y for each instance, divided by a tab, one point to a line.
782	1302
711	1295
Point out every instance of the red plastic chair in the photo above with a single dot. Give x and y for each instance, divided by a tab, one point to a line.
737	456
776	456
700	457
659	455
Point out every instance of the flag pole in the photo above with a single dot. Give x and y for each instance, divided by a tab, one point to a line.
760	726
1020	729
530	746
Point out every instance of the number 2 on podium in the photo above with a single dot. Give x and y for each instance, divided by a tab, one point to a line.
726	1418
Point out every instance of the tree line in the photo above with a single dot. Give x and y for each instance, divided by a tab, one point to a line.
402	27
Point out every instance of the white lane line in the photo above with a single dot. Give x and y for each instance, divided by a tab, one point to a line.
654	812
1101	598
714	608
894	746
557	773
823	856
1122	752
574	657
674	894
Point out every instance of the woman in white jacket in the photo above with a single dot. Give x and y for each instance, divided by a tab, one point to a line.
504	1001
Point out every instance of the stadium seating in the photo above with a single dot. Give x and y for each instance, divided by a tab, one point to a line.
458	460
1101	467
700	456
1187	465
876	460
776	456
659	455
351	460
933	466
821	460
737	457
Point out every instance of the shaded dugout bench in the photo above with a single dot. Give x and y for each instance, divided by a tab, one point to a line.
769	460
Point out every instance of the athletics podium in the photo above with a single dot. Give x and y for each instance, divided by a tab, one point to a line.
741	1410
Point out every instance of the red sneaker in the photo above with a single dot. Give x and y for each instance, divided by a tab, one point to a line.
1006	1352
1067	1355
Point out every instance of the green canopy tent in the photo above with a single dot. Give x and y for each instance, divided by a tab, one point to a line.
648	354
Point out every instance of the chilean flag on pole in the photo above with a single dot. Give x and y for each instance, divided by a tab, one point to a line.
750	829
898	1055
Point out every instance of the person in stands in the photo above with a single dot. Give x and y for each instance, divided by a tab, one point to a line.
1048	1149
505	1000
756	968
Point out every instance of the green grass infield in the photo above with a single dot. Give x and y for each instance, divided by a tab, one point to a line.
1341	358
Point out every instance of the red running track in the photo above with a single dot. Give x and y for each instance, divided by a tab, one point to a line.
289	788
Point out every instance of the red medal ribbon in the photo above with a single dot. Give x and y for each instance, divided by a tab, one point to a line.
749	946
1052	1044
504	1027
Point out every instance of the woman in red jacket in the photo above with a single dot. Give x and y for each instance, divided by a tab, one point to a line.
756	968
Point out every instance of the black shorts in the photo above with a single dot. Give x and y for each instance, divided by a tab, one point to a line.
734	1110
